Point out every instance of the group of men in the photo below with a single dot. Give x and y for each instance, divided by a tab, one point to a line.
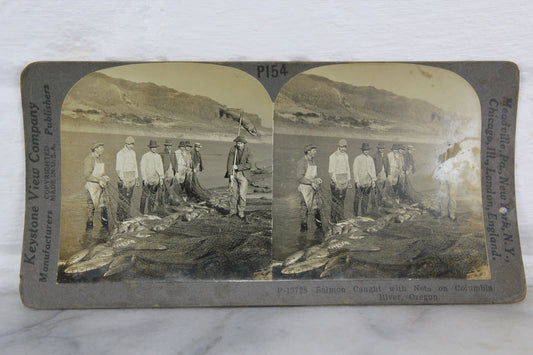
369	173
165	172
158	170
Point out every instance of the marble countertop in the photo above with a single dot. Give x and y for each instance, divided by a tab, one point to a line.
279	30
448	329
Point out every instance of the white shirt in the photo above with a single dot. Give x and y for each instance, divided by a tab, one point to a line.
127	163
364	170
151	168
184	160
338	164
395	164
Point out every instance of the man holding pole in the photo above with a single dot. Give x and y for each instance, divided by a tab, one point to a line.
238	170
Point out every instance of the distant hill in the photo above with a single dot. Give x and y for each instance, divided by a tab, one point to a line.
311	103
99	100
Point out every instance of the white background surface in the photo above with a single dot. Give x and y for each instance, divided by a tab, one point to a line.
267	31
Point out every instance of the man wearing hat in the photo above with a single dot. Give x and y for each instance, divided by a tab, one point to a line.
196	157
309	182
152	174
381	163
96	181
184	164
396	169
128	174
238	170
364	174
169	167
339	172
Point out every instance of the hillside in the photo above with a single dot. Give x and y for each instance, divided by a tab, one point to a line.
102	101
314	103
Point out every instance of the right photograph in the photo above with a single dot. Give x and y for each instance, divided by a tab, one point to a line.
377	175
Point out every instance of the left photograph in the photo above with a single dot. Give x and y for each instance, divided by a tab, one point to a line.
166	173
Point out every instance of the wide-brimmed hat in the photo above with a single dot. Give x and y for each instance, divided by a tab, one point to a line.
153	144
96	145
401	146
365	146
197	145
343	143
188	143
129	140
168	142
182	144
240	139
395	146
308	147
381	146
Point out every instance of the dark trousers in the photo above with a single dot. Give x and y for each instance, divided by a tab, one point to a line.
149	193
380	189
124	205
362	195
337	203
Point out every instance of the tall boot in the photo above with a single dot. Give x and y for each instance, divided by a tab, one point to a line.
104	218
303	227
318	220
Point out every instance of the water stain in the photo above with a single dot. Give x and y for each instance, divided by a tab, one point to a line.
424	73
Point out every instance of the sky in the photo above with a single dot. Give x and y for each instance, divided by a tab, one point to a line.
228	86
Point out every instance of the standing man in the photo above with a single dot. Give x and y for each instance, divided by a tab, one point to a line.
410	160
152	175
339	172
448	174
407	192
196	157
364	173
169	167
381	163
128	174
196	190
184	165
306	172
238	171
96	181
396	170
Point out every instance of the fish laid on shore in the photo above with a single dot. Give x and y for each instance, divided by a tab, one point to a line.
89	265
79	256
293	258
344	238
304	266
120	265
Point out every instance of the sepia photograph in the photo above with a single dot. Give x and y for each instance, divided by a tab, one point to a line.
166	174
170	184
378	175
